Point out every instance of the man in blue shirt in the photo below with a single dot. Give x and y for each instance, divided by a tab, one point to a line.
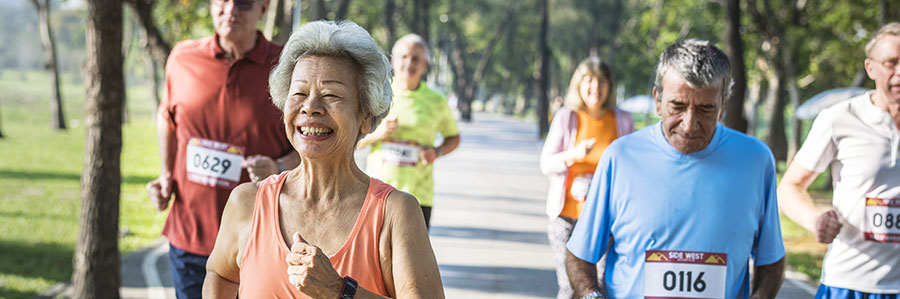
686	202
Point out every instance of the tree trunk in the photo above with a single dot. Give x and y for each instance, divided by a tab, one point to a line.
158	46
543	75
419	18
317	10
343	9
734	46
794	96
462	75
273	18
96	271
593	41
775	104
152	69
56	109
389	22
426	19
751	106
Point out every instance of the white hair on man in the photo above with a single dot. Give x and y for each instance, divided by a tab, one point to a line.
699	62
413	39
337	39
892	28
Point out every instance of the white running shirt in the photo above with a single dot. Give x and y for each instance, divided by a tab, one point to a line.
861	142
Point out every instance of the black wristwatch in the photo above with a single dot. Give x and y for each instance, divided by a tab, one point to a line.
349	289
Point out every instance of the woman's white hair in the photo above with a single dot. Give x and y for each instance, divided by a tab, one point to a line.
337	39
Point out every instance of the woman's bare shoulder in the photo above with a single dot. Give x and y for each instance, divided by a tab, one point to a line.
242	200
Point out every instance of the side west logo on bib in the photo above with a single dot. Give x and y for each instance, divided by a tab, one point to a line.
882	220
684	274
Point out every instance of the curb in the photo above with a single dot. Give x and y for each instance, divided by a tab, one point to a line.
62	289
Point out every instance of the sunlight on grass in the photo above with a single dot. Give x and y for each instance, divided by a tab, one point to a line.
804	254
40	179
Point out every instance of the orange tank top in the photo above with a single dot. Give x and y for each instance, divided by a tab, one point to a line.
581	172
263	269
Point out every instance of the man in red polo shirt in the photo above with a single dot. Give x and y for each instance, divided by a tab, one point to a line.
216	120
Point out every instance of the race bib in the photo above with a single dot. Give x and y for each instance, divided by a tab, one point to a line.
402	153
882	220
684	274
212	163
580	186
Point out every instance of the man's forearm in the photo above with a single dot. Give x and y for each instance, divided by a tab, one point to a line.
450	144
582	275
767	280
165	135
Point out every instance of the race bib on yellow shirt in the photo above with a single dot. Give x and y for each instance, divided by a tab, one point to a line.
399	152
684	274
580	186
213	163
882	220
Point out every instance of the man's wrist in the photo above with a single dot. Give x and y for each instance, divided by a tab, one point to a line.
438	151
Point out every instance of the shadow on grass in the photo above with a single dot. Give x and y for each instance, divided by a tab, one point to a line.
48	261
806	263
43	175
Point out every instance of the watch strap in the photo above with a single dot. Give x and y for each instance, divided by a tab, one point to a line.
349	289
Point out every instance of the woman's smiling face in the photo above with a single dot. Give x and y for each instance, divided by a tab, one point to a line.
322	114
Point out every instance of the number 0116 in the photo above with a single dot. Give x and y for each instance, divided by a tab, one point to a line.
684	281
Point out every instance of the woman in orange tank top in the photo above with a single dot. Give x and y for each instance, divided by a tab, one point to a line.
325	229
579	133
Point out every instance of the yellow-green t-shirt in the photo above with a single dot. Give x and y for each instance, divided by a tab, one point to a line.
421	114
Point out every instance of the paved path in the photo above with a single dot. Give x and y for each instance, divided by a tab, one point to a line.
488	224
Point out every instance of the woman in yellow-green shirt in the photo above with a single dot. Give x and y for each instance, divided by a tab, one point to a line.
403	150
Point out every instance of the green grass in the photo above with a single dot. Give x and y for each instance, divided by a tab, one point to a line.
804	254
40	176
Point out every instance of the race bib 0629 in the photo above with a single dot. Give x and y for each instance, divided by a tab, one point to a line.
402	153
882	220
213	163
684	274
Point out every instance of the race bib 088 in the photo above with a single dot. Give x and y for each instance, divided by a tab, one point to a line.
882	220
684	274
213	163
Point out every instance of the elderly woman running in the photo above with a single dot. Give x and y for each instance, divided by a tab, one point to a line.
325	229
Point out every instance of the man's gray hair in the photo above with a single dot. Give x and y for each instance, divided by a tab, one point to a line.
337	39
413	39
892	28
700	63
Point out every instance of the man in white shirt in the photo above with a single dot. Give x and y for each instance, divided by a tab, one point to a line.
860	140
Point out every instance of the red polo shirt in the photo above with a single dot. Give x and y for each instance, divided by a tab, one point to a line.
228	103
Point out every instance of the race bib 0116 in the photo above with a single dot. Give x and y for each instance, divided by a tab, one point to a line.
882	220
684	274
401	153
212	163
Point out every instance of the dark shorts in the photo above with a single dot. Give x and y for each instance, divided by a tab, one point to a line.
188	272
427	212
828	292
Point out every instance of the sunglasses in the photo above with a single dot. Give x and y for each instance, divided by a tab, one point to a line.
243	5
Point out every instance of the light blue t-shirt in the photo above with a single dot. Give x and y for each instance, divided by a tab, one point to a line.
647	196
